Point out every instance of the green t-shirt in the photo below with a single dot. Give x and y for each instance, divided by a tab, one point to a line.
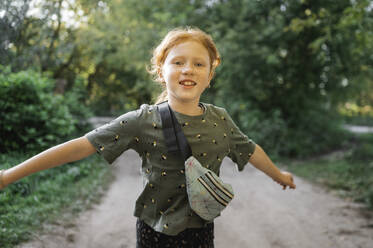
163	203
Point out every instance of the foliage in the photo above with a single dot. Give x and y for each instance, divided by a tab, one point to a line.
289	58
33	118
117	47
363	150
359	111
38	35
353	180
287	66
76	101
11	25
39	199
351	174
288	69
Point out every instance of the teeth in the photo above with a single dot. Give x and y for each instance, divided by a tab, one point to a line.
188	83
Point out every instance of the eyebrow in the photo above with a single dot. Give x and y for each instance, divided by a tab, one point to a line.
182	57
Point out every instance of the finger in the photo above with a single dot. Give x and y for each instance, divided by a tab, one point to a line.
292	185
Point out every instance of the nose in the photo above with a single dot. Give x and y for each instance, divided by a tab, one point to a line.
188	69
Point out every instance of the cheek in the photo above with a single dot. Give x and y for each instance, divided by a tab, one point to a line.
168	74
207	74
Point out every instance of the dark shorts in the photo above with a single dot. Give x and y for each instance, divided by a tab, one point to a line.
189	238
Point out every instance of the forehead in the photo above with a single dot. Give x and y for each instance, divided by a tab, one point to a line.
189	48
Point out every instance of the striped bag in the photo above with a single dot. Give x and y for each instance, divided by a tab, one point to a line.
207	193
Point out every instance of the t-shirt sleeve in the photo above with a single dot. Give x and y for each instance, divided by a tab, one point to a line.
240	146
115	137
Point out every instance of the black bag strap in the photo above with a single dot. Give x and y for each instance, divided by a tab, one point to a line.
172	131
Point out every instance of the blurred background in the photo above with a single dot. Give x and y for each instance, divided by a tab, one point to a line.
294	73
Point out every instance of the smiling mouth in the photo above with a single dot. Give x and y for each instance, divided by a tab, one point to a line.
188	83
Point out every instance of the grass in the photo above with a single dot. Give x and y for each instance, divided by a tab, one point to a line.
44	197
351	175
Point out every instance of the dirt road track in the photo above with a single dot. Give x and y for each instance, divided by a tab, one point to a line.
262	215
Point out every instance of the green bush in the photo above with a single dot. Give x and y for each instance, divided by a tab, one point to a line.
41	198
363	151
268	131
33	118
317	132
76	99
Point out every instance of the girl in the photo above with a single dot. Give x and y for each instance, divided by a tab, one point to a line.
184	63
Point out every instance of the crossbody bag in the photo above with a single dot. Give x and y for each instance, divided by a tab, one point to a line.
208	195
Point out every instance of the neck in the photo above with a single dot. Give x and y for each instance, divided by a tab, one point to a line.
186	108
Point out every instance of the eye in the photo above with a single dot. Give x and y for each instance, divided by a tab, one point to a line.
178	63
199	64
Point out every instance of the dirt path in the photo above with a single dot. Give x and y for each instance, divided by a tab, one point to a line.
262	215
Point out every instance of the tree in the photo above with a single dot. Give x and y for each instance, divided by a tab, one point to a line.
287	64
37	35
117	44
290	60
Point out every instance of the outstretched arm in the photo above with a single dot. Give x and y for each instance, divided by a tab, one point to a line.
70	151
261	161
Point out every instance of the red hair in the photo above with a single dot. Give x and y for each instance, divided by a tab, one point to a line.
173	38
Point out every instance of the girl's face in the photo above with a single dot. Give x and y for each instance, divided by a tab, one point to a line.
186	71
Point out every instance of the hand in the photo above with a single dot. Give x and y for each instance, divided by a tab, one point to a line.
286	180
